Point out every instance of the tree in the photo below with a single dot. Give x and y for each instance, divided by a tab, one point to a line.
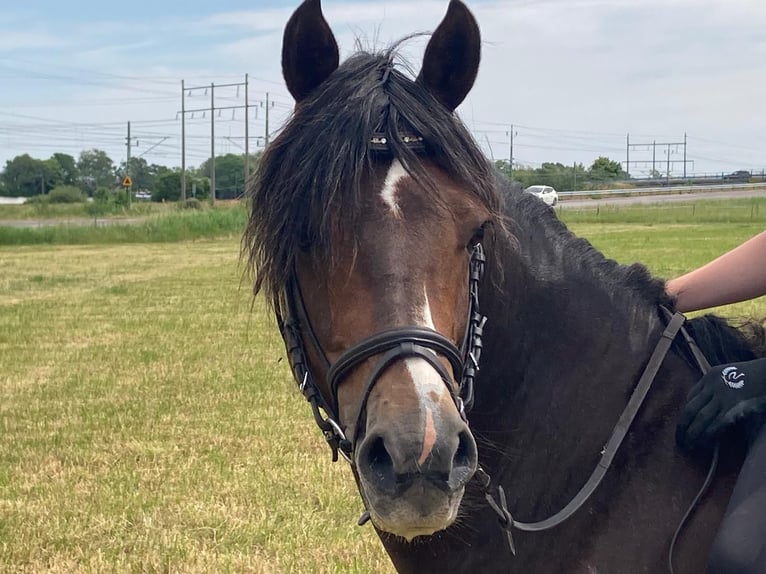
605	169
24	176
96	170
69	172
53	173
229	175
503	166
139	172
168	187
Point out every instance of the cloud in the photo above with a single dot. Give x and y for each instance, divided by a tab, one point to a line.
575	76
15	42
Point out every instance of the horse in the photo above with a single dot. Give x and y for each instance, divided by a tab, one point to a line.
458	345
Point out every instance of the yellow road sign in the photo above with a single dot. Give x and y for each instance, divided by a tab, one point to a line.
127	182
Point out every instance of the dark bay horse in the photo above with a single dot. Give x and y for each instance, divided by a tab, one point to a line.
371	214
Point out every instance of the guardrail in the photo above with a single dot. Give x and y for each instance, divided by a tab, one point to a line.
663	190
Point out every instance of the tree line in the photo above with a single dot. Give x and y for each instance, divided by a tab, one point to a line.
94	174
603	171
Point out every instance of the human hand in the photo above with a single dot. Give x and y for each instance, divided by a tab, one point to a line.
726	394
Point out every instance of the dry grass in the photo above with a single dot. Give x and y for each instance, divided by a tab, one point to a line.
149	424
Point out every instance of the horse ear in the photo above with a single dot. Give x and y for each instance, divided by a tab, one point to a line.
309	50
452	56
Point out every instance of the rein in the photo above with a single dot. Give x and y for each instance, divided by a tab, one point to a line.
508	523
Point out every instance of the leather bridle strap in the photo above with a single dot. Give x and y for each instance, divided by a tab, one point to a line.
410	341
395	343
704	367
400	351
607	454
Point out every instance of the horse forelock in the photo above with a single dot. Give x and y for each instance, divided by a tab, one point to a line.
311	179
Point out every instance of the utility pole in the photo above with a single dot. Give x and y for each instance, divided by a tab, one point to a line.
212	142
644	146
627	158
510	154
266	135
574	170
668	170
212	109
127	168
183	143
247	136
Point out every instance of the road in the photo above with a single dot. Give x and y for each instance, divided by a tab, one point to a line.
676	197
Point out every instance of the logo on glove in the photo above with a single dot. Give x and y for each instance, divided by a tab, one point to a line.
733	378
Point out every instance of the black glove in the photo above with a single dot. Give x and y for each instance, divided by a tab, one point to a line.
726	394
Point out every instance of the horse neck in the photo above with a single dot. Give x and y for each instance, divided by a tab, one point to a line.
564	347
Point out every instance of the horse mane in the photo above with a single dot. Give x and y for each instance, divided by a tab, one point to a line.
562	252
310	179
720	340
723	342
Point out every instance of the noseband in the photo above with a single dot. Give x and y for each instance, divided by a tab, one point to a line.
393	345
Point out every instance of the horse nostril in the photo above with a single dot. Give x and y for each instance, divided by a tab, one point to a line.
464	461
376	459
465	455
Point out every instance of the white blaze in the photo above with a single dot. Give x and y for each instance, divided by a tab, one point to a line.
425	378
388	194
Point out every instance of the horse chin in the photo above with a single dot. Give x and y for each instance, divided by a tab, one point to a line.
419	511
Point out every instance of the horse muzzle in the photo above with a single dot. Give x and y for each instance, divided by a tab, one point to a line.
413	482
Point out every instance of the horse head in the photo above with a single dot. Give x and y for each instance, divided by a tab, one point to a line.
367	212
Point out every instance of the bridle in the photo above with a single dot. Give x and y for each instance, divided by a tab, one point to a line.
392	345
415	341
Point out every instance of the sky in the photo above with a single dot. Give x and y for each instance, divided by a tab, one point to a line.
576	79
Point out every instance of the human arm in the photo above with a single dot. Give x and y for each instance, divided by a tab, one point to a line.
727	393
737	275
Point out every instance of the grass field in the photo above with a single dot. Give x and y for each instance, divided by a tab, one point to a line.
168	225
40	210
149	424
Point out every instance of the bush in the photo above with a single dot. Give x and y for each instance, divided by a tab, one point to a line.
191	203
66	194
121	198
107	201
102	194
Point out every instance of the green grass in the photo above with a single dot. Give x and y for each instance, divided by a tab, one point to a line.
148	422
175	225
725	211
38	210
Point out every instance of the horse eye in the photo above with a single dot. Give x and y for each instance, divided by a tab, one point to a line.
477	236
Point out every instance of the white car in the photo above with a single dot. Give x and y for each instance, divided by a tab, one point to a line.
544	192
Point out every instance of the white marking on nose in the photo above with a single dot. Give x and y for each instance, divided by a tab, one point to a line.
428	384
388	194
